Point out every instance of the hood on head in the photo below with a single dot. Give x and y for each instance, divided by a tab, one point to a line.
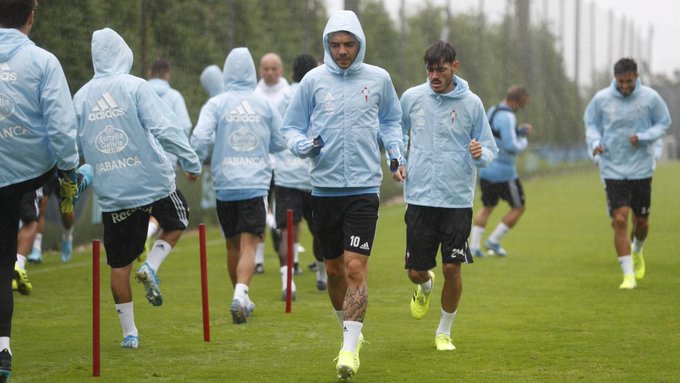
211	79
110	54
239	70
344	21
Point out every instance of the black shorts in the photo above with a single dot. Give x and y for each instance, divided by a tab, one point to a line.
300	201
51	186
636	194
30	206
428	227
509	191
246	216
345	223
125	230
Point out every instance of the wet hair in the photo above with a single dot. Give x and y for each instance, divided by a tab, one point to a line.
517	93
15	13
625	65
159	67
301	65
438	52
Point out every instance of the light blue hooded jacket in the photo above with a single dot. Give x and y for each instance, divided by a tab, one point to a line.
440	170
291	171
37	123
351	109
123	128
241	129
510	144
174	100
610	120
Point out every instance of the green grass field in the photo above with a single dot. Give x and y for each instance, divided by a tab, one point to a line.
550	312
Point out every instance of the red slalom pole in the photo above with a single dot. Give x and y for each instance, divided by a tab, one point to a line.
289	280
204	283
95	308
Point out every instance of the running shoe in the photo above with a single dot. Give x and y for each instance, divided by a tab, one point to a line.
420	302
130	341
628	283
23	285
148	278
444	342
638	264
495	248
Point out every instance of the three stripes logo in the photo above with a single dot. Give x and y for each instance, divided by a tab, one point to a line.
243	112
6	73
106	107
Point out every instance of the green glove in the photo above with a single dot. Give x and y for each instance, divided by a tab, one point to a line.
67	190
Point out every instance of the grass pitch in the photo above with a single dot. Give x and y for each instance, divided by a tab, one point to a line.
549	312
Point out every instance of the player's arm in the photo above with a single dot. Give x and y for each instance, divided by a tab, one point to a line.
592	120
296	123
482	146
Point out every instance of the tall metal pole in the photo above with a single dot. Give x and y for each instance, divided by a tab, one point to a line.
610	39
593	44
577	41
145	44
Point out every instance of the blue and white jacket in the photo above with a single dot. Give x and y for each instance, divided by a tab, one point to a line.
175	101
351	109
510	143
610	119
241	129
438	129
37	123
123	128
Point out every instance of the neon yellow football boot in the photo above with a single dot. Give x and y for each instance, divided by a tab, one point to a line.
420	302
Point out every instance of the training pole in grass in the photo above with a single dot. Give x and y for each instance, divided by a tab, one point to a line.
95	307
289	277
204	283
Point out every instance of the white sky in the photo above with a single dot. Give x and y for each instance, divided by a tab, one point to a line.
662	15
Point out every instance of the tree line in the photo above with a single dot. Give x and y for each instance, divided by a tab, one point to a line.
195	34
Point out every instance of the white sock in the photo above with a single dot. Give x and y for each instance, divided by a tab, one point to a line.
21	261
259	253
446	322
4	344
296	251
637	245
157	254
498	233
350	335
67	235
321	272
476	237
241	292
340	314
626	263
126	314
151	230
37	243
284	279
426	286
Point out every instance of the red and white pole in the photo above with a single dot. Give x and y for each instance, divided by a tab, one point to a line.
290	255
95	309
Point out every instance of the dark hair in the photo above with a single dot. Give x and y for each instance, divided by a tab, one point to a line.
301	65
625	65
517	93
159	67
438	52
15	13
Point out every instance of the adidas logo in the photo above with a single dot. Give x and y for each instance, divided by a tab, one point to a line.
106	108
365	246
6	73
243	113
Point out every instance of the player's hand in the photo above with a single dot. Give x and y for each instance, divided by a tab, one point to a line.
400	174
68	188
475	149
599	149
634	140
526	129
193	177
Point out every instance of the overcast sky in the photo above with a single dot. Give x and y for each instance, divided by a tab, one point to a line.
663	15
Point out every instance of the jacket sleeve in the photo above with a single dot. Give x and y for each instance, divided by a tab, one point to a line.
390	118
405	123
154	114
203	136
297	119
481	131
660	118
277	143
592	120
511	143
59	115
182	113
